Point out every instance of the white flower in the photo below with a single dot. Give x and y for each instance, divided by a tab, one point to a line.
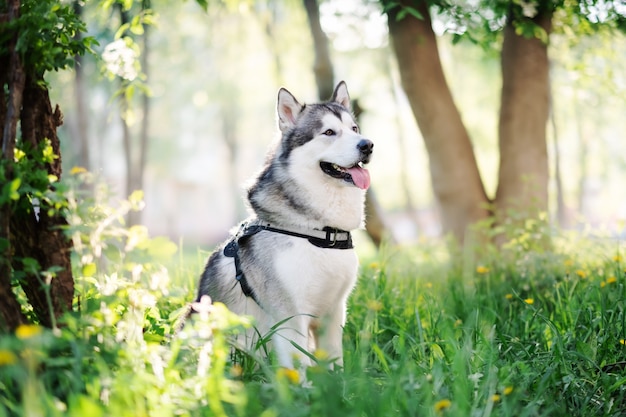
120	59
529	8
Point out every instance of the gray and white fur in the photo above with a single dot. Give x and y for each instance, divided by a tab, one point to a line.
313	178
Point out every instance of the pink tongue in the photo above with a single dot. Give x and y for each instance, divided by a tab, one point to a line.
360	176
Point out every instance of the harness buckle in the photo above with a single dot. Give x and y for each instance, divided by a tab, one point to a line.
334	233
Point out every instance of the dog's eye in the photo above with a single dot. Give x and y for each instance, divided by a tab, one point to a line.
329	132
355	128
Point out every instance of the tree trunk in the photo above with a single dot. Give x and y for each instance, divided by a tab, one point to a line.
322	66
12	75
82	134
42	238
525	106
454	173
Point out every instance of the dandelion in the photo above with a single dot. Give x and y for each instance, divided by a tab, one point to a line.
374	305
617	258
236	371
428	285
582	274
290	375
26	331
509	296
77	170
495	398
442	405
7	357
508	390
374	265
622	341
611	280
568	262
482	269
321	354
529	301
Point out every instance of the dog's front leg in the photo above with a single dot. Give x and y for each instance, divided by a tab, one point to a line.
330	335
292	333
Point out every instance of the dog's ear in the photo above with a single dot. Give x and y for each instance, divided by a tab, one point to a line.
341	95
288	109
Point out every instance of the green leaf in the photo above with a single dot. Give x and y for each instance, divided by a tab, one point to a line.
13	187
89	270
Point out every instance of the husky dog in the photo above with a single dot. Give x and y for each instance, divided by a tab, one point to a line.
292	262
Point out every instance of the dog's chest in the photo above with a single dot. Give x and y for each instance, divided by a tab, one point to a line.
317	278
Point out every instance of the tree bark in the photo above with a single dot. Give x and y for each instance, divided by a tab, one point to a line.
82	131
454	173
42	238
525	106
12	75
322	66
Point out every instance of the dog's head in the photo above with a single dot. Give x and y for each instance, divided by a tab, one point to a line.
324	139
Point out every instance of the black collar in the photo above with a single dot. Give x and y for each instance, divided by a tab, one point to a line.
327	238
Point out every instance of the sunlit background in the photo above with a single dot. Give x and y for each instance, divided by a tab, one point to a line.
214	75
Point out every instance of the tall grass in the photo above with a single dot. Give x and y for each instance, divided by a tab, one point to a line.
519	331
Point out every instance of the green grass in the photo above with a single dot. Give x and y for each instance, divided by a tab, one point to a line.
509	332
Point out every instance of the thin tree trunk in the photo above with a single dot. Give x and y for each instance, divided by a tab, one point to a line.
561	209
11	74
454	173
136	176
81	105
583	160
322	66
403	166
525	106
268	21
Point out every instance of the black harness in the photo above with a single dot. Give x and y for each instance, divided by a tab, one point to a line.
327	238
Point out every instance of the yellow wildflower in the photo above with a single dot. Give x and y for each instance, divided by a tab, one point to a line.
290	375
7	357
442	405
509	296
495	398
617	258
320	354
603	284
508	390
482	269
622	341
26	331
77	170
569	262
529	301
236	371
611	280
374	305
374	265
582	274
428	285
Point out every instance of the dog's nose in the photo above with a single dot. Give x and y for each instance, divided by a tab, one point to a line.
365	146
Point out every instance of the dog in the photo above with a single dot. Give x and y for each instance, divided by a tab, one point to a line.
292	262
